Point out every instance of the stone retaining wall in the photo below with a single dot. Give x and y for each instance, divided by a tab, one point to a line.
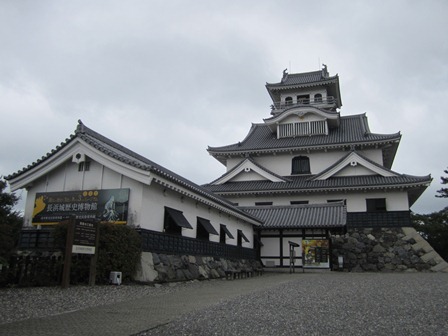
385	250
155	267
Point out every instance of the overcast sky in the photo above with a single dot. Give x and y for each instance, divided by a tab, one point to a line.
169	78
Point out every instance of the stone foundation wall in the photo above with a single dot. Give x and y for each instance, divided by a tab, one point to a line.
385	250
164	268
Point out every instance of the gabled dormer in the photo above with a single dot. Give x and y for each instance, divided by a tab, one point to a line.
302	121
316	88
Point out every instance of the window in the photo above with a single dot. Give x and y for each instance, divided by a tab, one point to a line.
299	202
337	201
288	101
84	166
204	228
263	203
224	233
174	221
318	98
304	99
376	204
300	165
240	237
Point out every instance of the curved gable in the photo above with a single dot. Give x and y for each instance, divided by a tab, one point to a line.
248	170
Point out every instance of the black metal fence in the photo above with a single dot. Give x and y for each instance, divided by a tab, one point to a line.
37	239
379	219
159	242
32	271
152	241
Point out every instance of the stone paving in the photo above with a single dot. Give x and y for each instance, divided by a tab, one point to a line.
273	304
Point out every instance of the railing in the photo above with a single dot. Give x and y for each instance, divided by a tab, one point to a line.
159	242
36	239
318	127
379	219
152	241
303	102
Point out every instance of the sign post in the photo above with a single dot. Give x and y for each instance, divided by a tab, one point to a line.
83	238
68	252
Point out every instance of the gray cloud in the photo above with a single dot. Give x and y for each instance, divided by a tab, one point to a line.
167	79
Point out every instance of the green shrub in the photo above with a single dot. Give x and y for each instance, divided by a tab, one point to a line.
119	250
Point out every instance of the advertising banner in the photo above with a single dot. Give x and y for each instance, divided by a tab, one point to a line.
106	205
316	252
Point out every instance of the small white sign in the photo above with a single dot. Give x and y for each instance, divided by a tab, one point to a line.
83	249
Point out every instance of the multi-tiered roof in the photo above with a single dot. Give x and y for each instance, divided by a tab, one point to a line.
305	119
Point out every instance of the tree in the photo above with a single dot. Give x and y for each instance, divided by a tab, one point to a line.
10	222
443	191
434	228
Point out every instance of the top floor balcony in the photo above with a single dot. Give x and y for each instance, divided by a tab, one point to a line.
325	102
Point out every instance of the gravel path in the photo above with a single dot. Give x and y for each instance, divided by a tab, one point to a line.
301	304
328	304
22	303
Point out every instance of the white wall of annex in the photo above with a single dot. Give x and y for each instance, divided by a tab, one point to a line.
156	197
271	247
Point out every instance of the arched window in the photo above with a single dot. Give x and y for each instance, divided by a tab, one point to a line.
288	101
318	98
300	165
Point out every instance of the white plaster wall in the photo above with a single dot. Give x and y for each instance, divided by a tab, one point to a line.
146	203
270	246
311	93
248	176
319	161
156	197
357	170
356	201
309	116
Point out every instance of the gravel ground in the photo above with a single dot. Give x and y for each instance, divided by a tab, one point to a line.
309	304
23	303
328	304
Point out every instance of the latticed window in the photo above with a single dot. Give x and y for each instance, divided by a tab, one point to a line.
300	165
307	128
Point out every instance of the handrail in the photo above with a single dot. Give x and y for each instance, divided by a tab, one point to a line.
303	102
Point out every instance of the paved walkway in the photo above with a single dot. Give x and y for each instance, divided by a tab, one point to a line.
131	317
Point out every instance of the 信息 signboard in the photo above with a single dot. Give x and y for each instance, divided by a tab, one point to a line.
84	237
106	206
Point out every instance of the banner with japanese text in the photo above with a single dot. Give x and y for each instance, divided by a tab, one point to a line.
106	205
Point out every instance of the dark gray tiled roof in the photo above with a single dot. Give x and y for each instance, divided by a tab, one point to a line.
131	158
352	130
312	77
329	215
304	184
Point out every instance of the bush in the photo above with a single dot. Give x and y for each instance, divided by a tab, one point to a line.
119	250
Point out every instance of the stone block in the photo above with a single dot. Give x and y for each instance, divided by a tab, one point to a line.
441	267
429	256
422	245
214	274
202	273
378	249
194	270
180	275
145	269
409	231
